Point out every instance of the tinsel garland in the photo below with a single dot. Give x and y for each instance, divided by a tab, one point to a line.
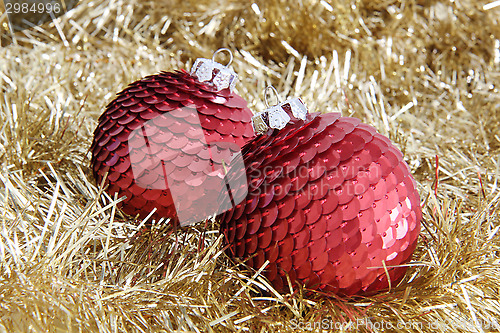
423	73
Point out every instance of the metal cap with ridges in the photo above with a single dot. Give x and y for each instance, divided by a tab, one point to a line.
211	72
279	115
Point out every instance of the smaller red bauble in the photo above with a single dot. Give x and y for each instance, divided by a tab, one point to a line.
329	203
164	140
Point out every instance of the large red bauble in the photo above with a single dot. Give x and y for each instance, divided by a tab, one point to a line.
163	141
330	202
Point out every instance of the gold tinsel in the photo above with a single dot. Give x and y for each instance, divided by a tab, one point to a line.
424	72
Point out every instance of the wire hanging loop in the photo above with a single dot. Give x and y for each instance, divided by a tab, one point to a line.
222	50
275	93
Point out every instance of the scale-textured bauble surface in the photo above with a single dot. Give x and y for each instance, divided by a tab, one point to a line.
163	141
329	201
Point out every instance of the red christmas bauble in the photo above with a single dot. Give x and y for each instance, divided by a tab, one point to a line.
329	202
165	140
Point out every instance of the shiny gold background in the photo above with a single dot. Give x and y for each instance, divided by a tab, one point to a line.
423	72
